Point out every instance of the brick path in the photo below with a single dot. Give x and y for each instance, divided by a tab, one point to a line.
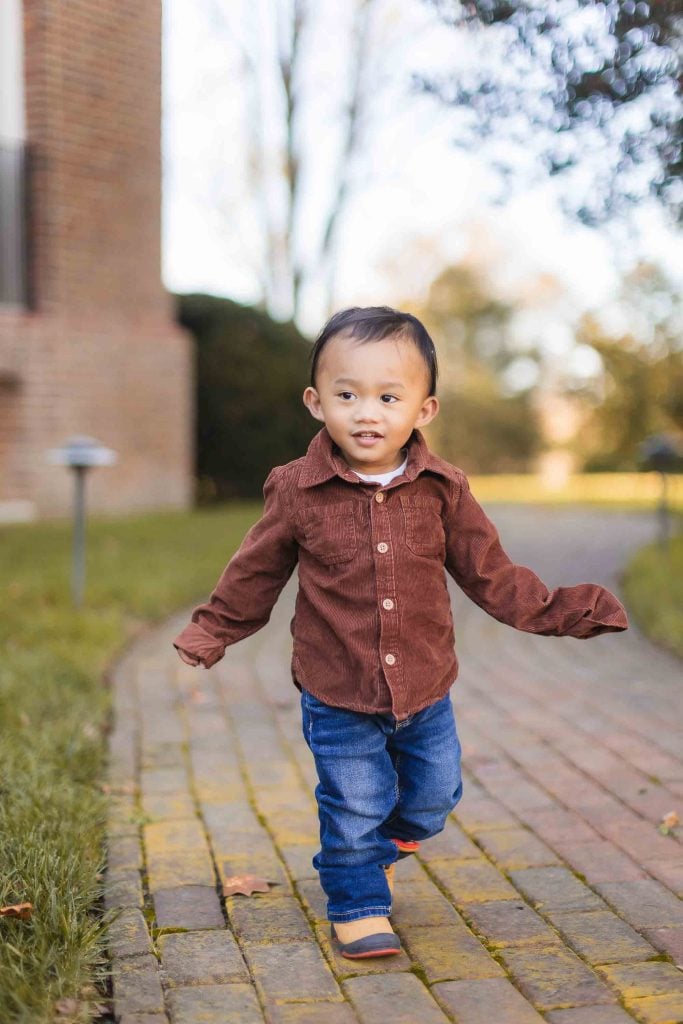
551	896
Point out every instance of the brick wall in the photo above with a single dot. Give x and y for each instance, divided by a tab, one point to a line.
98	353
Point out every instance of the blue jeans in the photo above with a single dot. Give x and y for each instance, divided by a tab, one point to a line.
379	779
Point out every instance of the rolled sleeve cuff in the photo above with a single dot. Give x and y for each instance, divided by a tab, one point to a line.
195	640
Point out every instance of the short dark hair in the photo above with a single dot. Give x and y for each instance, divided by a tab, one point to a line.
374	323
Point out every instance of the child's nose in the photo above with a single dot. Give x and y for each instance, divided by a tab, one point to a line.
367	410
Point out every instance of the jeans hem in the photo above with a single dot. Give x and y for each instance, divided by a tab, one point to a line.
356	915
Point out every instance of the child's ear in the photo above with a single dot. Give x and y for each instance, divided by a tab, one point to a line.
311	400
428	411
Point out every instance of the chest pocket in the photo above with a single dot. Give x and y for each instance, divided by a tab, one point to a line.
424	528
329	531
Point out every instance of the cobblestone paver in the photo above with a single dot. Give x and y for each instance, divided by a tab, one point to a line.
550	896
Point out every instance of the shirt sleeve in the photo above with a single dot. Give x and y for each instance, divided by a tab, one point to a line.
242	600
514	594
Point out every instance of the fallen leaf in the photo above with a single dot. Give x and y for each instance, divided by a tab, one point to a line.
23	910
668	822
245	884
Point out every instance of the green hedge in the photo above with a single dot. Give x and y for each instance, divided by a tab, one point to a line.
251	373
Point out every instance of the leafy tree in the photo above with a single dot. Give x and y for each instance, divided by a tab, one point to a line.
642	397
641	388
565	87
484	431
470	322
482	426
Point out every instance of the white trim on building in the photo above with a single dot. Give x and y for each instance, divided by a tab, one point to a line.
12	116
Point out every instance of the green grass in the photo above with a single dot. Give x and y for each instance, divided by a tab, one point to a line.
653	586
615	490
54	714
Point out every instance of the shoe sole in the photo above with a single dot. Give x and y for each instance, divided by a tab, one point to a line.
366	956
405	849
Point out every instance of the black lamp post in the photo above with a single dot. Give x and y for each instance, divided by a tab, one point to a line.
662	453
80	453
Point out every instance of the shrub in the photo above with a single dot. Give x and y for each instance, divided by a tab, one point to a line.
251	373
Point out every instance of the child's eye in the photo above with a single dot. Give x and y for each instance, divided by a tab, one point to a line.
345	394
391	398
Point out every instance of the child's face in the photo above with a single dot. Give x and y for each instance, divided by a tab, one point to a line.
378	388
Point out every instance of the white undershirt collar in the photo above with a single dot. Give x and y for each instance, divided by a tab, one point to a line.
383	478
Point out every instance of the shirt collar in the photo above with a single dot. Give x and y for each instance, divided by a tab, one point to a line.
323	460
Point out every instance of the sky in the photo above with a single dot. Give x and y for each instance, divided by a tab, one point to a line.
419	205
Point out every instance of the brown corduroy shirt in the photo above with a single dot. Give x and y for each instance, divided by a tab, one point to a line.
372	628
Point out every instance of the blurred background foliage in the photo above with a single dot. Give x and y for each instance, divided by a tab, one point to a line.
640	389
251	372
482	426
580	78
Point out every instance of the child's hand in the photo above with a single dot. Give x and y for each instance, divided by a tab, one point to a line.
189	659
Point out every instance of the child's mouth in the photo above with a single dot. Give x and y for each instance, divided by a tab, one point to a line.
367	440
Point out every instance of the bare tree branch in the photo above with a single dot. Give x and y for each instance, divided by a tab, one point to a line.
360	50
269	48
288	57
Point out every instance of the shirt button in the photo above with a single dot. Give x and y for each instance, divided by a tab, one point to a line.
387	603
382	547
389	658
379	496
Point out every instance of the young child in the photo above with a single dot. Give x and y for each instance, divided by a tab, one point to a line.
372	517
